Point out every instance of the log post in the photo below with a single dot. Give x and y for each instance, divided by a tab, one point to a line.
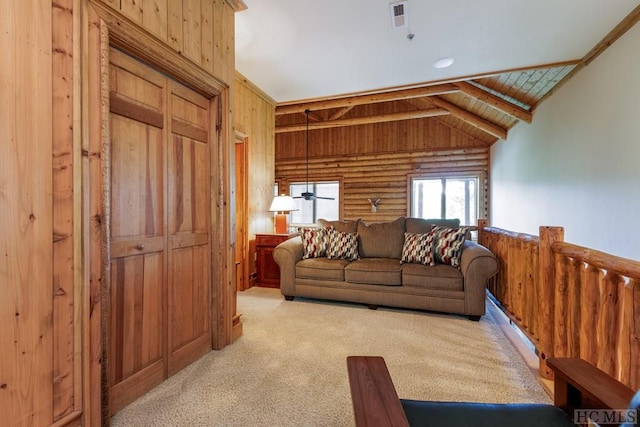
482	223
548	236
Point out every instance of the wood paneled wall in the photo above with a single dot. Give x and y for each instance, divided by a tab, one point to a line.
392	137
51	215
377	161
254	116
26	206
201	30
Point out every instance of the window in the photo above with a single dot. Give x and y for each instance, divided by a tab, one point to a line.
310	210
446	197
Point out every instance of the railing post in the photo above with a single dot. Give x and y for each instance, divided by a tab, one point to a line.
546	297
482	223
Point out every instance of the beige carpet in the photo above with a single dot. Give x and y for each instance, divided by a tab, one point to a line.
289	367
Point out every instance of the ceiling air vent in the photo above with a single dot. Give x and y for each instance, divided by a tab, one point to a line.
399	16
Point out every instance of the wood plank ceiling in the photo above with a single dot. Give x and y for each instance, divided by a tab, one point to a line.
484	107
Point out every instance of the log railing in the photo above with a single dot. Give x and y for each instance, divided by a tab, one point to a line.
570	301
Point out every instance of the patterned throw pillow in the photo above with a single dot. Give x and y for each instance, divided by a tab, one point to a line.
418	248
314	242
449	242
342	245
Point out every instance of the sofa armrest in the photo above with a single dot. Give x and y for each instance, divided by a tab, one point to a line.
580	385
374	397
286	255
477	265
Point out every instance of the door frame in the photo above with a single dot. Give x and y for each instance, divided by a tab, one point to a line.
243	240
105	29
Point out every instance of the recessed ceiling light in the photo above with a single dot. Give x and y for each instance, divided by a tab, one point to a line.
443	62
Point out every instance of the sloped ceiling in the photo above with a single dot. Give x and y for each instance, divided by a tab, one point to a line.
330	57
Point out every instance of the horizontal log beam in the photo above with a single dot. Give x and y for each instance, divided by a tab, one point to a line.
382	118
368	99
495	101
472	119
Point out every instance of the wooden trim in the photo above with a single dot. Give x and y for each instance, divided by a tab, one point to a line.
618	31
259	92
367	99
237	5
127	36
392	117
432	83
68	419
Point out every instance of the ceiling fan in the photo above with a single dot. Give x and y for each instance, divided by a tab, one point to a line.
307	195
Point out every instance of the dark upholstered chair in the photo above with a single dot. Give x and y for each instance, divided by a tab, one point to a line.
578	385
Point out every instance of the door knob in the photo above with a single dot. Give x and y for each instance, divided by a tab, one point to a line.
139	246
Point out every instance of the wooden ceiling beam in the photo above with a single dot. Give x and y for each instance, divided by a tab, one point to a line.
392	117
341	112
474	120
352	101
495	101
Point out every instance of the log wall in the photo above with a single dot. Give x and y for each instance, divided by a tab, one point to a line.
377	160
570	300
385	176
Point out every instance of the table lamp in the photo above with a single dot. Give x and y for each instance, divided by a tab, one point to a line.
282	205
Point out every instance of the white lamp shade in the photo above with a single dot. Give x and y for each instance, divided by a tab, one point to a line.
283	204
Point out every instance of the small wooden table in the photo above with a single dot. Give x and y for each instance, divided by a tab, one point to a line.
268	272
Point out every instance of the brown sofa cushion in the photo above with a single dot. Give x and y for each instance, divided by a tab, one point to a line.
382	239
374	271
439	276
346	226
321	269
421	226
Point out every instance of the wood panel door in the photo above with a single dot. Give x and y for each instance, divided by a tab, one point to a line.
137	223
189	227
160	210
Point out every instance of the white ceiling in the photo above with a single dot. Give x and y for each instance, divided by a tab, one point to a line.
302	49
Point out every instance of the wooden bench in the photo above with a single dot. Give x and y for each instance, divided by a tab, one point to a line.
578	385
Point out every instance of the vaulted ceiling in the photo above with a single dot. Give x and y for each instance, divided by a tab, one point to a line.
483	104
484	107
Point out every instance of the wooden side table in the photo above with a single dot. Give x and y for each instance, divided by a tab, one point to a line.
268	271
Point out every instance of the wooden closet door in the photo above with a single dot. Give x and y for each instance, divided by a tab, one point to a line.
189	154
138	256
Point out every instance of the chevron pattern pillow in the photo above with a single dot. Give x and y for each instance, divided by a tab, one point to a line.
342	245
449	242
314	242
418	248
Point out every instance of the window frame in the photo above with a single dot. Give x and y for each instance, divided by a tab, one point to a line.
312	188
482	196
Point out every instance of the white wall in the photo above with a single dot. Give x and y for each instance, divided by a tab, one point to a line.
578	164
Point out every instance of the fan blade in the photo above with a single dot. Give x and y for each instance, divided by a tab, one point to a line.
325	198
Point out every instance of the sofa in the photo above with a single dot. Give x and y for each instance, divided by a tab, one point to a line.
408	263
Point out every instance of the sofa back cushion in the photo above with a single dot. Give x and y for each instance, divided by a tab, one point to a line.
422	226
346	226
382	239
